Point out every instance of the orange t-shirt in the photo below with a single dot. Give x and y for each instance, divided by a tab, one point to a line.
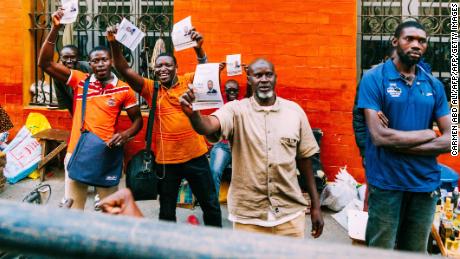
175	139
103	106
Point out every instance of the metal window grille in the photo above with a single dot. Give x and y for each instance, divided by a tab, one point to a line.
153	17
378	20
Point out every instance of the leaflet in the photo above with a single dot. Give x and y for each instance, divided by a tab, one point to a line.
182	34
129	35
206	87
70	11
234	65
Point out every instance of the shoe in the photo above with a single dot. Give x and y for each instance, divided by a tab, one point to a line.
96	203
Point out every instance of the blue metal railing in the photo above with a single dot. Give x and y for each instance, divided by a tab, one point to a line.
45	231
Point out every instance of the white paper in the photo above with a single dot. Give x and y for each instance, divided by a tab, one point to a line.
234	65
129	35
357	222
342	216
182	35
70	11
206	87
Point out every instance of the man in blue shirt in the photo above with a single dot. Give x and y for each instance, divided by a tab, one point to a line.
401	151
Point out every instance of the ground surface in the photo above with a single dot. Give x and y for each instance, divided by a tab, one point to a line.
333	232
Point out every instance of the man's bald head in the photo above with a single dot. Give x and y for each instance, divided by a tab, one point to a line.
259	61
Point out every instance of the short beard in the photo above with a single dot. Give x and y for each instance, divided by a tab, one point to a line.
265	96
405	59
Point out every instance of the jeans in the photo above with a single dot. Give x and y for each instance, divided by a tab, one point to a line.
198	175
221	157
399	219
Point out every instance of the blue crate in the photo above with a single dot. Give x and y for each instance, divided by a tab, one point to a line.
449	178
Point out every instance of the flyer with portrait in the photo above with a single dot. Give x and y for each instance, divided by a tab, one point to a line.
70	11
206	87
129	35
182	34
234	65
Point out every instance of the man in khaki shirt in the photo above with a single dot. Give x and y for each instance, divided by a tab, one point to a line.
270	138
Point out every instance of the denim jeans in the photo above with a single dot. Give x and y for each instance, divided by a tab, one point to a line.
198	175
221	157
399	219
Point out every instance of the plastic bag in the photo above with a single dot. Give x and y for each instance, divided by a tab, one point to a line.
35	123
22	156
362	192
185	198
338	194
41	93
4	140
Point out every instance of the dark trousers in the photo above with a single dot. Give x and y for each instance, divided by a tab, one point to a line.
400	220
198	175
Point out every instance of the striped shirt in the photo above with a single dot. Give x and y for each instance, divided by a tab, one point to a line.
103	105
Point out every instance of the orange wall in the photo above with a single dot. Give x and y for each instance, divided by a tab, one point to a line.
313	47
12	51
312	44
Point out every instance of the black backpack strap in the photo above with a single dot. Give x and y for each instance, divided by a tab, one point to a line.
148	135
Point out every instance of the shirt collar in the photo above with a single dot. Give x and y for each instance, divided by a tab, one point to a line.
275	107
114	82
393	73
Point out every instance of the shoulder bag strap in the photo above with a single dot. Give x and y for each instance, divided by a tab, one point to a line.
148	135
83	103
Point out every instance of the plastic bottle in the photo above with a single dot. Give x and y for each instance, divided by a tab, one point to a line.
455	197
448	204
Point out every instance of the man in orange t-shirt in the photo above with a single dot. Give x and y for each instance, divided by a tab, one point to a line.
179	150
105	99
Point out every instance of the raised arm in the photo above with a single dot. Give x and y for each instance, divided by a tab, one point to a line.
436	146
45	59
121	65
202	124
200	54
387	137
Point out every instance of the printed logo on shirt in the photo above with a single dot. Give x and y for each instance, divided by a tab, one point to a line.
394	90
111	102
111	178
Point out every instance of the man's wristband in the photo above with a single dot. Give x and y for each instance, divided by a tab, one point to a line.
202	60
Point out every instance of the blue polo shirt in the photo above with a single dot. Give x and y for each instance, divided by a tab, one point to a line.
407	108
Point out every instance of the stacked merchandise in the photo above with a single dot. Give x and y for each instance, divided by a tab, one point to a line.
5	125
2	165
448	211
447	214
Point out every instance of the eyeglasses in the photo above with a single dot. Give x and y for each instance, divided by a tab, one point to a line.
231	90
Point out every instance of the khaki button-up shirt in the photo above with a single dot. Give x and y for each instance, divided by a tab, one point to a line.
265	143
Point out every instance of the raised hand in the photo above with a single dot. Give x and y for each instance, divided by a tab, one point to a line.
186	101
196	36
57	16
111	32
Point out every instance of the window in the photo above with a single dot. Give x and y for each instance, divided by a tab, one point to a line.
379	18
153	17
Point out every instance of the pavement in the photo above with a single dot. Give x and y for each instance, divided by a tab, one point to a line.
332	231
